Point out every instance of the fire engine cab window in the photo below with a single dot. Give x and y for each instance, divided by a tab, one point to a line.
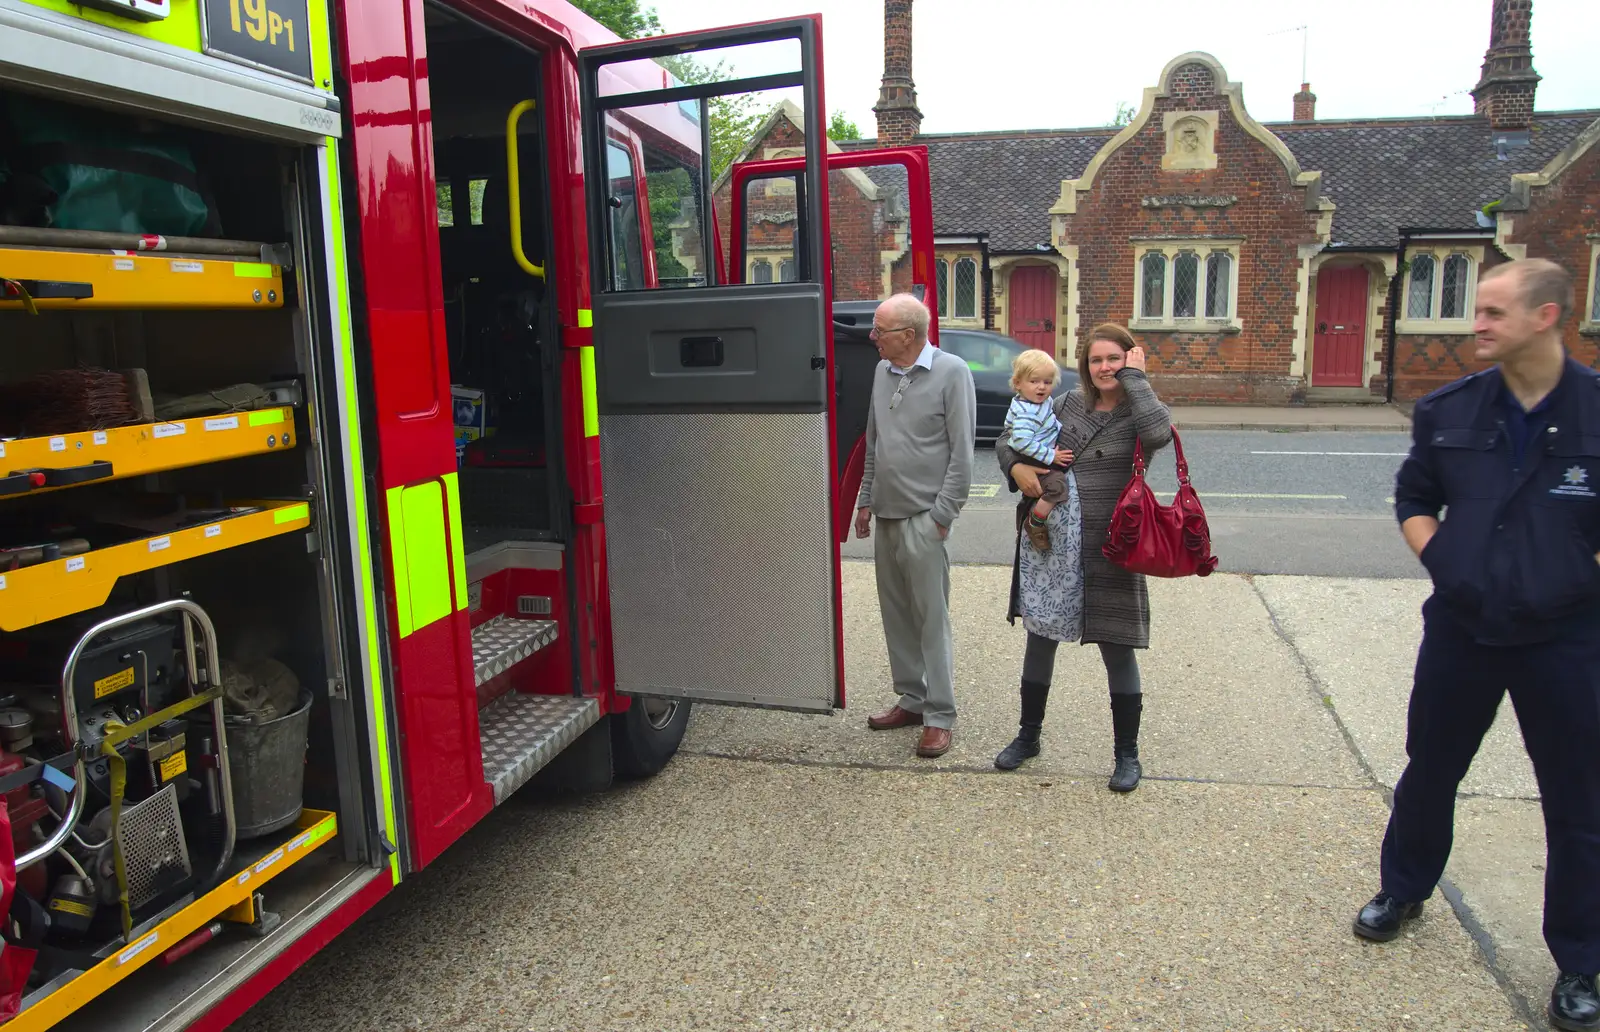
622	211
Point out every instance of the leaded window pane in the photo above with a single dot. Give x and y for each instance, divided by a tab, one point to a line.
1185	285
943	269
966	289
1219	278
1419	303
1153	304
786	271
761	272
1453	288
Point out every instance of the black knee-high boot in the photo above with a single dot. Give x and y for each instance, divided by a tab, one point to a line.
1125	711
1026	744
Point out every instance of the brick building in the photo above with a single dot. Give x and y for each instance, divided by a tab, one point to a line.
1264	263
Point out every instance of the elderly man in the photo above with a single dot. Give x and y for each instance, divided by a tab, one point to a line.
918	473
1510	455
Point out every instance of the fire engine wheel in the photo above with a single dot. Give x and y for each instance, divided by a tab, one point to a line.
646	735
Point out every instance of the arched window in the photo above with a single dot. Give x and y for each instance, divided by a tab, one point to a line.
966	289
942	269
1185	284
1219	285
761	271
1453	287
1153	301
786	271
1419	301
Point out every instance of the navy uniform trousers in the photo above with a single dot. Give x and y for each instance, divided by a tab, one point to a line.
1555	688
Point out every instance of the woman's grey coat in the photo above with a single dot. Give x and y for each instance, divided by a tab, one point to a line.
1116	604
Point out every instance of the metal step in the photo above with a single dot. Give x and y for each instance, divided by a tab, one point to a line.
521	733
502	643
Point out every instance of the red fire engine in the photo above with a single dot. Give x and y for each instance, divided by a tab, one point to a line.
321	330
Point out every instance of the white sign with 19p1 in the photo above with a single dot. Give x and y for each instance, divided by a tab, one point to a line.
273	34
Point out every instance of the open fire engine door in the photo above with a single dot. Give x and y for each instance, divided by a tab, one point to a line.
715	398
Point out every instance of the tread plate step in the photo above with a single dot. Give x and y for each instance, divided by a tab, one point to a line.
502	643
521	733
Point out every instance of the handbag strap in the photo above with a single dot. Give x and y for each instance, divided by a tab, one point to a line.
1177	447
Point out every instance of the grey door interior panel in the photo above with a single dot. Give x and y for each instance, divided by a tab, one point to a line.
733	349
720	551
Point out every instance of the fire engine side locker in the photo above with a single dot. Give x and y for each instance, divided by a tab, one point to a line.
125	66
717	434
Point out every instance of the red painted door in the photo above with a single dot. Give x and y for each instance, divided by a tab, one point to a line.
1338	351
1033	307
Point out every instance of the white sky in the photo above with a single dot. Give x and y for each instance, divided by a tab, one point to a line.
1045	64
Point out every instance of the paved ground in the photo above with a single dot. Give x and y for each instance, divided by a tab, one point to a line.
1308	417
791	872
1310	502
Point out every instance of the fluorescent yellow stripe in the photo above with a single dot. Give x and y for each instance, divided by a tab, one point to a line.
364	567
591	403
181	28
585	318
426	554
252	270
397	555
321	48
291	513
458	558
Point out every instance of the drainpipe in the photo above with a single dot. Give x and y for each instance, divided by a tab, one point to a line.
988	285
1396	290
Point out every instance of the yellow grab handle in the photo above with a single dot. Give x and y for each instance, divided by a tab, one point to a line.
514	188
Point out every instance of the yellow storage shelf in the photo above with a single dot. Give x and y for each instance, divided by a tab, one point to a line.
317	827
134	451
40	279
49	591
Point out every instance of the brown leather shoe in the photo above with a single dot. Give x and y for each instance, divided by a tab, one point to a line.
935	741
894	716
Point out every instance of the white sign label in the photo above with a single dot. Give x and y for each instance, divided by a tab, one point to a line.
2	582
225	423
269	861
75	564
215	530
171	429
2	450
137	948
188	267
123	264
100	437
160	543
58	444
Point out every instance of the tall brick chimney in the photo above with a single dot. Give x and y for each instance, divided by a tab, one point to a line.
1305	104
898	116
1505	92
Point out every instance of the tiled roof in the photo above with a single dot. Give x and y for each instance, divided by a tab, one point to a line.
1384	174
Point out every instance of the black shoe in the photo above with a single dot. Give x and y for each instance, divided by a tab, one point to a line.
1381	918
1574	1004
1125	713
1026	744
1023	747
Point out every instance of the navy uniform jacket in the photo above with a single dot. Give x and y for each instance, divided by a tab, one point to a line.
1514	558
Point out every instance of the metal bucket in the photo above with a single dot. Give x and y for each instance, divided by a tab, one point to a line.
268	768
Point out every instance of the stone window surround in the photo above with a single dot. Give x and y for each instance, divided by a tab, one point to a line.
1589	316
1201	246
774	258
1434	324
949	260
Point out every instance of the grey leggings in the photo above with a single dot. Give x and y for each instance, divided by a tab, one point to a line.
1122	668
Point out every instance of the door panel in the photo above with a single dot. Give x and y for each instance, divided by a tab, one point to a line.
1033	298
1338	356
881	242
715	414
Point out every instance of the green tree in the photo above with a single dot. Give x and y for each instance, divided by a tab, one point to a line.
624	17
841	128
1124	116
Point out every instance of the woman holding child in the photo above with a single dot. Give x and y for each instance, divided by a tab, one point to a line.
1062	586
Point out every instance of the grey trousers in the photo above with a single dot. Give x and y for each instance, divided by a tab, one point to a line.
913	568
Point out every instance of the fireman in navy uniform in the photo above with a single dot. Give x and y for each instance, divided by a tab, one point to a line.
1513	454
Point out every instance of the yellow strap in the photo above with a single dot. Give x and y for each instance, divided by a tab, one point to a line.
22	295
115	735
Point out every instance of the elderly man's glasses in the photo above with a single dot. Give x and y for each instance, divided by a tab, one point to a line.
876	333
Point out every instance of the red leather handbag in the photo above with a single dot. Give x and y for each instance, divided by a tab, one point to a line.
1159	540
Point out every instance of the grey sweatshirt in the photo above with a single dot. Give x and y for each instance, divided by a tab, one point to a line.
919	455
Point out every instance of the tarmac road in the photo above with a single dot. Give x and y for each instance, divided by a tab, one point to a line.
1315	502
